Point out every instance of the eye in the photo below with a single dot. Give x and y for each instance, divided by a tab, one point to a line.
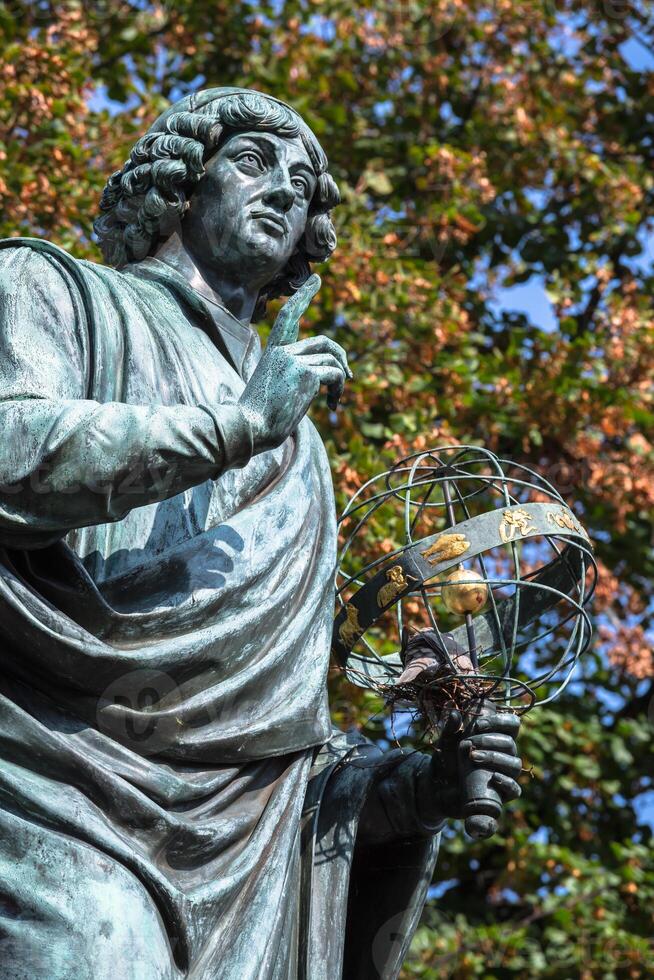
251	159
301	185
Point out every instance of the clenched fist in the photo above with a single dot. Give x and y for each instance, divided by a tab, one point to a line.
476	767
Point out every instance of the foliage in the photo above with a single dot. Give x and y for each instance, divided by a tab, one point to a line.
476	145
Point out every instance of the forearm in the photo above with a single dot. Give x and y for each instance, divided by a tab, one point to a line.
68	464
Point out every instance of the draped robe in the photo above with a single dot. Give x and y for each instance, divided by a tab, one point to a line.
173	800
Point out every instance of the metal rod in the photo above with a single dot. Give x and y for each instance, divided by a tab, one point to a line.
470	628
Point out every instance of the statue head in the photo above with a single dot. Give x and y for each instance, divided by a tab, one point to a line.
242	178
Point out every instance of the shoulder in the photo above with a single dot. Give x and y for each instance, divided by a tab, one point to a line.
33	254
40	274
37	272
44	343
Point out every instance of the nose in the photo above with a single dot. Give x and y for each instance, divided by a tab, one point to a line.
281	193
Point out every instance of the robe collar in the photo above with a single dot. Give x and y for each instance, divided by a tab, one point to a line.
230	335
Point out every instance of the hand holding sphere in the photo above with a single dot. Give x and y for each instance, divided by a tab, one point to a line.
490	567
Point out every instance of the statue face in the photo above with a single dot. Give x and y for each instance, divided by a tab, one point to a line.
250	209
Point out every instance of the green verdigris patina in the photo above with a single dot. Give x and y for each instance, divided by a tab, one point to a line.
173	801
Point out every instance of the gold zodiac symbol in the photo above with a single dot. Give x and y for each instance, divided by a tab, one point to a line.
516	522
446	547
564	519
396	584
350	630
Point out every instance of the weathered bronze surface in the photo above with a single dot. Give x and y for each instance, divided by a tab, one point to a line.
173	800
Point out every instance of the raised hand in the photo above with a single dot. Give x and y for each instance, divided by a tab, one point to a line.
290	373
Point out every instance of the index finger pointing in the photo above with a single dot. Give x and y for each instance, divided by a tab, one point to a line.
287	325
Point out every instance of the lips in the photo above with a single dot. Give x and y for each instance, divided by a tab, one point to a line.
273	220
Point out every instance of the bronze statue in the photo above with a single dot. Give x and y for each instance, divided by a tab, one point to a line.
173	800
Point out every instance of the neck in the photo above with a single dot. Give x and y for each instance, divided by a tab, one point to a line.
238	298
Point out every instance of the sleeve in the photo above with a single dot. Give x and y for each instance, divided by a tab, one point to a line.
68	462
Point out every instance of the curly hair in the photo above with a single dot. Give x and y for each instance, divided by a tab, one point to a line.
144	201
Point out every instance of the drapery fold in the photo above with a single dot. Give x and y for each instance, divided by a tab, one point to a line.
163	691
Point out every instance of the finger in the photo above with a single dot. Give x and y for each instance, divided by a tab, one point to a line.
335	389
320	360
501	743
334	378
334	395
497	762
496	721
508	788
287	325
321	345
452	723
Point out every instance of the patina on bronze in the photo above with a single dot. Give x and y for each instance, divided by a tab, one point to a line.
173	800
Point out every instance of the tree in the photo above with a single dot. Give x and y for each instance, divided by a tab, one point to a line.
476	145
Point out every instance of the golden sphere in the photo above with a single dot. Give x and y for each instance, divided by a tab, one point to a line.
466	592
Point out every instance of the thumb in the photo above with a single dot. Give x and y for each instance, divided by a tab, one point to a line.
287	325
452	724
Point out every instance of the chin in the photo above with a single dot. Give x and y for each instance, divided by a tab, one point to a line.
267	253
